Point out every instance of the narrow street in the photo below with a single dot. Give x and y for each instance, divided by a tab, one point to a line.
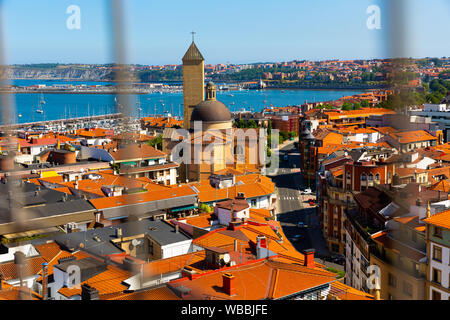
294	208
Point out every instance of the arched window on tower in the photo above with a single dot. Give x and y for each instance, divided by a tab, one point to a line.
238	150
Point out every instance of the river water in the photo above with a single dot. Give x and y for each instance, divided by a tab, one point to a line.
59	106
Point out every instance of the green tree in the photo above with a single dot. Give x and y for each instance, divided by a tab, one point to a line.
356	106
365	104
206	208
283	136
156	142
346	106
252	124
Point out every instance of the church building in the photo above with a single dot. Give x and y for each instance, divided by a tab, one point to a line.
210	125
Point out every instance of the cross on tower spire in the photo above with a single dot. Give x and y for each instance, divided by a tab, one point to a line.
193	33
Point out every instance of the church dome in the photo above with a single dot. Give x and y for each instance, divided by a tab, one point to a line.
211	111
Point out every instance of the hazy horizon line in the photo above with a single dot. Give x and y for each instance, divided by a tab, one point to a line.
246	63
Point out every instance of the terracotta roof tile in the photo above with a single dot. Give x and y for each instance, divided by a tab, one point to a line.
441	219
32	266
261	279
162	293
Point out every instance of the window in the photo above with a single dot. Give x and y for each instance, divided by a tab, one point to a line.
363	177
150	247
392	280
377	177
407	288
253	202
437	253
437	232
348	174
370	177
436	276
238	150
435	295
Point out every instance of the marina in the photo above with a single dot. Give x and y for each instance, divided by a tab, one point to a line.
158	102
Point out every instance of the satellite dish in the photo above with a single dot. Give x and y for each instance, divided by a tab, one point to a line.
135	242
226	258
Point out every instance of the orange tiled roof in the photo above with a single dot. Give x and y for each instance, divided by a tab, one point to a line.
385	130
169	265
261	279
201	221
254	185
363	112
412	136
411	221
51	253
92	133
344	292
129	199
162	122
162	293
441	219
136	152
32	266
442	185
18	293
107	282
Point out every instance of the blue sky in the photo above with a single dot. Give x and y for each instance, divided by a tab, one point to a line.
235	31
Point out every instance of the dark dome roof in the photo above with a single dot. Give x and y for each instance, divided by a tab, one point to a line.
211	111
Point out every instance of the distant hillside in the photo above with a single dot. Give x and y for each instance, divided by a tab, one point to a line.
58	72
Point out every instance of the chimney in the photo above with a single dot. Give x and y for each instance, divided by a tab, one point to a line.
44	281
89	293
177	228
419	202
119	233
19	260
228	284
240	195
309	258
233	225
235	245
261	242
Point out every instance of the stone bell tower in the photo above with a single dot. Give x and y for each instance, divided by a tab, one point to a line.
193	81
